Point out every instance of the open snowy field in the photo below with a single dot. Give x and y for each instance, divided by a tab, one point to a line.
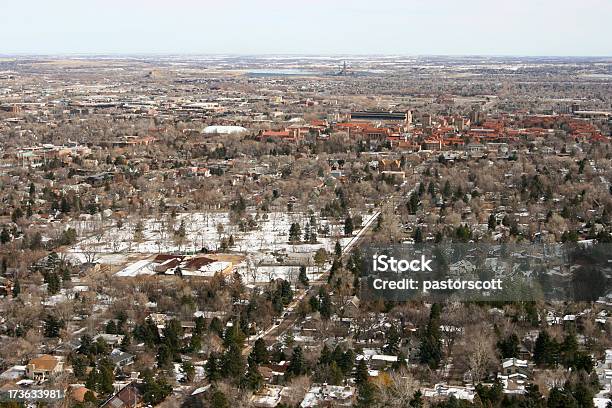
268	254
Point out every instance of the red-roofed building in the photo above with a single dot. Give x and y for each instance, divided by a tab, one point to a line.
289	135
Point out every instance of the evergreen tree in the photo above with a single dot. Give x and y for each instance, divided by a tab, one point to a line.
216	326
65	205
393	341
569	349
303	277
260	352
121	317
5	235
573	358
366	395
111	327
336	355
421	188
148	333
446	190
418	236
294	233
431	343
172	337
313	236
17	214
297	364
233	335
100	346
154	391
86	344
232	362
212	368
348	225
338	250
92	379
326	305
52	326
361	374
253	380
164	357
582	393
200	325
195	343
126	341
431	189
53	283
545	351
218	400
413	203
417	400
79	366
463	233
562	398
491	396
335	374
492	222
401	361
532	397
326	357
509	347
106	377
307	233
346	362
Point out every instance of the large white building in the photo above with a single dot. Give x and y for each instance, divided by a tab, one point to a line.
224	130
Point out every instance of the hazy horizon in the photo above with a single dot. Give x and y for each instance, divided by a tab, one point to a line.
313	55
524	28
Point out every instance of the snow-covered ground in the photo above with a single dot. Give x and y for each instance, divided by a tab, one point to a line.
262	247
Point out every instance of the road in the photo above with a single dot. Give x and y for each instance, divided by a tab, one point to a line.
289	318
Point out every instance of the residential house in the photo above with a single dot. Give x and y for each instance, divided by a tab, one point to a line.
268	397
444	391
127	397
120	358
328	395
515	374
43	367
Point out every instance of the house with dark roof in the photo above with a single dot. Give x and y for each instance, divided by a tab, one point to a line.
120	358
127	397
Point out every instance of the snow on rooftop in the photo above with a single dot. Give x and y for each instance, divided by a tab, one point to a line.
384	357
135	269
509	362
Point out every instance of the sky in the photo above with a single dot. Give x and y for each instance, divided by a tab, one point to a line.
321	27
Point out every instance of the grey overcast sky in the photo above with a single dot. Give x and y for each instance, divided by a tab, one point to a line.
407	27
